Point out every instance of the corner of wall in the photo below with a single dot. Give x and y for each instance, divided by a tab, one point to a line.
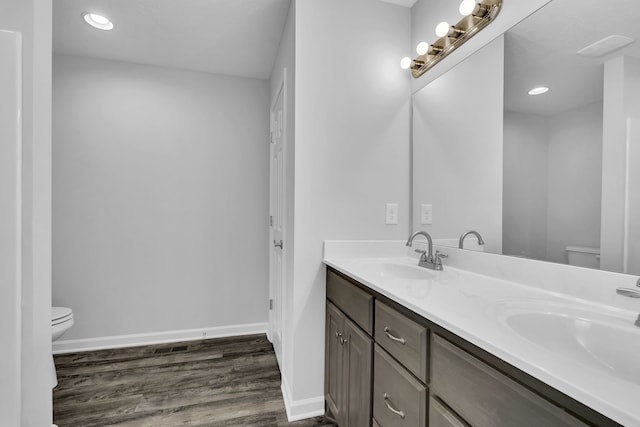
303	408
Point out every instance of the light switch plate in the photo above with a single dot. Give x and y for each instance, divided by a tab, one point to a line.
426	214
392	214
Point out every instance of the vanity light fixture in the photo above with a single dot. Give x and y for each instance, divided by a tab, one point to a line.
406	63
422	48
476	16
467	7
538	90
97	21
442	29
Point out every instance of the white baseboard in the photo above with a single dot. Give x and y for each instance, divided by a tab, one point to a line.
301	409
119	341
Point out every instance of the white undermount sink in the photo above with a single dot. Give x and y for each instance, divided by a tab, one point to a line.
604	341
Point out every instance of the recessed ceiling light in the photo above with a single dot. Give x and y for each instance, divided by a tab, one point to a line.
538	90
97	21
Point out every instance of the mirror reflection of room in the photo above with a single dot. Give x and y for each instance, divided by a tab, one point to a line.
556	170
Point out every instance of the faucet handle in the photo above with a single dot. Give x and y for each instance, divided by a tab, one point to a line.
423	254
437	260
441	255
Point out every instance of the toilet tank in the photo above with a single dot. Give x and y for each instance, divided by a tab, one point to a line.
584	256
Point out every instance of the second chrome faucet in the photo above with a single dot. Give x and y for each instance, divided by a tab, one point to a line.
465	234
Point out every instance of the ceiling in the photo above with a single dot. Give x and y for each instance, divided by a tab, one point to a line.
231	37
405	3
541	51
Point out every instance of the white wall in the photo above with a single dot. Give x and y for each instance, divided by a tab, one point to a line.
351	154
426	14
552	179
574	180
160	198
457	149
524	220
33	19
633	199
621	78
10	224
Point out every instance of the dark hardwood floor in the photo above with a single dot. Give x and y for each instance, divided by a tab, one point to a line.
216	382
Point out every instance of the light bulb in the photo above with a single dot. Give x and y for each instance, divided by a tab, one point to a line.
442	29
467	7
422	48
97	21
538	90
405	63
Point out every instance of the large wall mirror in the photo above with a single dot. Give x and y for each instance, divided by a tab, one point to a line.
555	176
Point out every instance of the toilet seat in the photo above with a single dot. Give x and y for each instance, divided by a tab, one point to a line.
60	315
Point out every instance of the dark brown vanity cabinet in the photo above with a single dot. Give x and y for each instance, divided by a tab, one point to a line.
348	354
386	366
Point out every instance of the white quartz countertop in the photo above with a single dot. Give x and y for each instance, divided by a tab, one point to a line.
481	308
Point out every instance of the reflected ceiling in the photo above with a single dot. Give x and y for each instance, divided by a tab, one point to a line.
541	51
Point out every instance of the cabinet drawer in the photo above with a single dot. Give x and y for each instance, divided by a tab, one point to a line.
485	397
353	301
405	339
399	400
440	416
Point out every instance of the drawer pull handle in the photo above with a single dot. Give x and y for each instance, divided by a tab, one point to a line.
391	337
387	398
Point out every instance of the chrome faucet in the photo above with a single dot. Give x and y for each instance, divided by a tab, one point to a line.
427	259
631	293
464	236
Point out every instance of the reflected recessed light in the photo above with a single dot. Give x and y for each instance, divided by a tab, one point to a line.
97	21
538	90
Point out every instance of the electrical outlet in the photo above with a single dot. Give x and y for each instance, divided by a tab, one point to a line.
392	214
426	214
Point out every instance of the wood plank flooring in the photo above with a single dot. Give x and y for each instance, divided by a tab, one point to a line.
216	382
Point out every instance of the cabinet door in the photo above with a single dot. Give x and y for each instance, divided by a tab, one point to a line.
358	355
335	380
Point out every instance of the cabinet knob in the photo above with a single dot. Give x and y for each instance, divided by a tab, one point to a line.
338	334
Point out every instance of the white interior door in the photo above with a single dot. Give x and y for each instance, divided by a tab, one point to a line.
276	220
10	224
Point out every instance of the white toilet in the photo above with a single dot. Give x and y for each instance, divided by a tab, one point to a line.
61	321
583	256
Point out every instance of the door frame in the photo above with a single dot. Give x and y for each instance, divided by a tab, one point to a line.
11	226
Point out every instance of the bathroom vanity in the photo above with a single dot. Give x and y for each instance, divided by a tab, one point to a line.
406	346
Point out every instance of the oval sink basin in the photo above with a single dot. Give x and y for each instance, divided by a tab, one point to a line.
395	270
605	342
